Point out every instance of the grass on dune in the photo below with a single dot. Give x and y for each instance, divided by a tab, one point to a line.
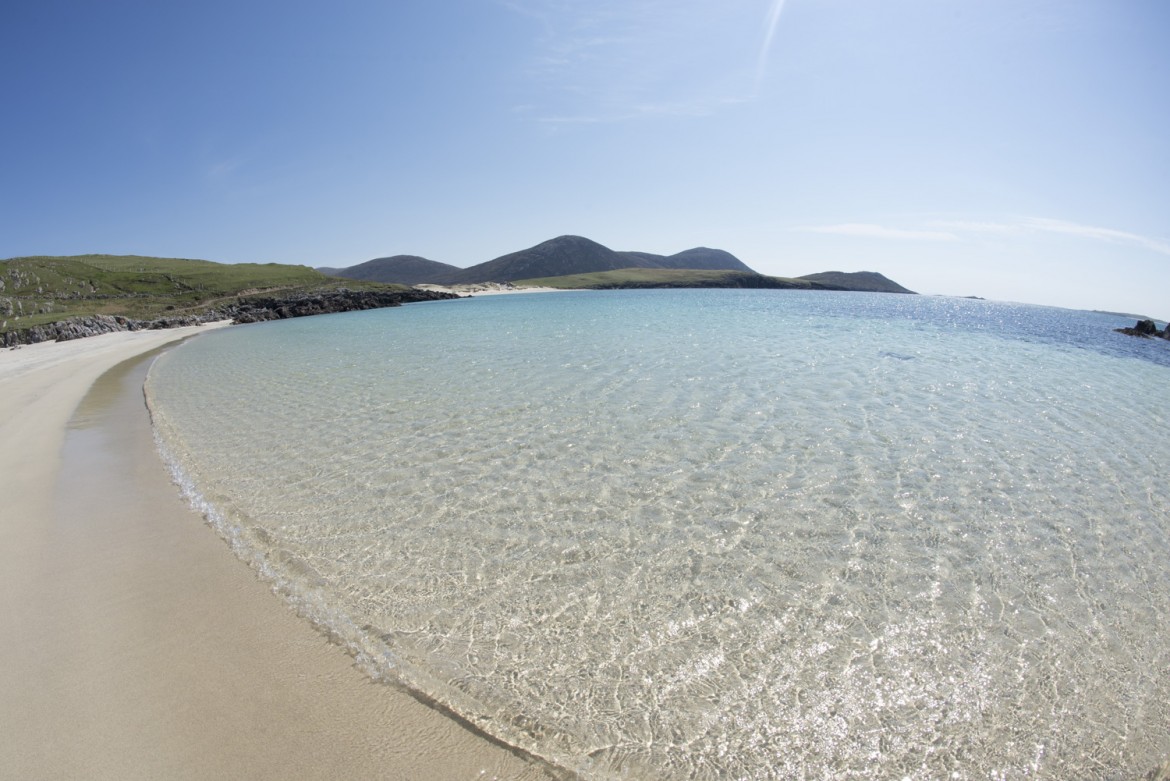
43	289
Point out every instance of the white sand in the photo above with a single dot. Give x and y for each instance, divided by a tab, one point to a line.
489	289
133	644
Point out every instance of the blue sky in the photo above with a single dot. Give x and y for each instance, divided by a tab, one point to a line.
1016	150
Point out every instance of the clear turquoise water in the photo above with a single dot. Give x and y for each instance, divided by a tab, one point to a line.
715	534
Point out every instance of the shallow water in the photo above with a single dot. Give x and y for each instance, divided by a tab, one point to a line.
716	534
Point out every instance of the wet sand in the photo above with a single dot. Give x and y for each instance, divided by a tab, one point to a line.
134	643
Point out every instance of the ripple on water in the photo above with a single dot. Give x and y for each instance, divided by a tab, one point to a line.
715	534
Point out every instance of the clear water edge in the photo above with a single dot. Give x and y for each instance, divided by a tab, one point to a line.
874	684
299	587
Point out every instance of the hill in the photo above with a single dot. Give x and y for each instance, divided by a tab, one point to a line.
705	258
697	258
142	291
398	269
43	289
861	281
555	257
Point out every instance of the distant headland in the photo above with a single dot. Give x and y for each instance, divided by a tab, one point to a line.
578	262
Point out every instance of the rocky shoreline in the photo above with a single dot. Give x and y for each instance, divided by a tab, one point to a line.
249	310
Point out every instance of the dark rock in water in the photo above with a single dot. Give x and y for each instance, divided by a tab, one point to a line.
1144	329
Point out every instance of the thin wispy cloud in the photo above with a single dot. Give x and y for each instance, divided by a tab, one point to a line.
772	22
960	230
870	231
1098	234
622	60
1063	227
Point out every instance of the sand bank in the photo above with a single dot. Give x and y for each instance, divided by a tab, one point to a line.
134	644
488	289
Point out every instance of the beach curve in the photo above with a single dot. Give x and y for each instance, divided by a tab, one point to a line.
135	644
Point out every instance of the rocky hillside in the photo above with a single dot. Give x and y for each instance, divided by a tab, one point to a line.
47	297
252	309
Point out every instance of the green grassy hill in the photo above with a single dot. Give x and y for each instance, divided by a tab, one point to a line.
579	255
667	277
859	281
38	290
399	269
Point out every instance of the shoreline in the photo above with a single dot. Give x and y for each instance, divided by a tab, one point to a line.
487	289
137	645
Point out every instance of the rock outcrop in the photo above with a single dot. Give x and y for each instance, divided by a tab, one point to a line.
255	310
245	310
1145	329
93	325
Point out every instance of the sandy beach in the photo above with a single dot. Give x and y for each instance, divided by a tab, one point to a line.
134	644
488	289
